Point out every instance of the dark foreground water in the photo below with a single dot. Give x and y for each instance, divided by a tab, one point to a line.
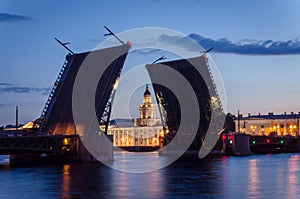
259	176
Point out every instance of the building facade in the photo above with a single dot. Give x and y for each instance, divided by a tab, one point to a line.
270	124
144	131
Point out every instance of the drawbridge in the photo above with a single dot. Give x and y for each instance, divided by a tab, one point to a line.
199	75
57	130
57	116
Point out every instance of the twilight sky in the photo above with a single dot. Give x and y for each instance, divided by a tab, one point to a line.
257	46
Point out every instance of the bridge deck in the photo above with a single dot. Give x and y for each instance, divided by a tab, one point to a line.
56	144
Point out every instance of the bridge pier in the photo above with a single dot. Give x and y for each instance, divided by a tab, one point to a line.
244	144
236	144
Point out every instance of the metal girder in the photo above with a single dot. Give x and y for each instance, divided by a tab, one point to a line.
43	144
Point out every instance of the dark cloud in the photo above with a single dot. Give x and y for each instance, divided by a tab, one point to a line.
246	46
1	105
146	51
6	17
184	42
250	47
4	84
8	88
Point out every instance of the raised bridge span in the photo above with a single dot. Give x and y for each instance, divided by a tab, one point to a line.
56	123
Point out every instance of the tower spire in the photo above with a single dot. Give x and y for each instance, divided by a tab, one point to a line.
147	109
147	92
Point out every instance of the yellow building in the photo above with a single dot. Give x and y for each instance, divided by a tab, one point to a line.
144	131
271	124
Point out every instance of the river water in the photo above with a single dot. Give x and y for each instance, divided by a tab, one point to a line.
257	176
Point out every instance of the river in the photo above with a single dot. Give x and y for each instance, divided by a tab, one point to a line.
257	176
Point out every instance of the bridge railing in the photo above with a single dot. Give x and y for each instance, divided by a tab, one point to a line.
59	144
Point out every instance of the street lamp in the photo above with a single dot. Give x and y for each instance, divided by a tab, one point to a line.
253	128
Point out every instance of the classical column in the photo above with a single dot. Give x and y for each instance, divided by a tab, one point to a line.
127	138
284	130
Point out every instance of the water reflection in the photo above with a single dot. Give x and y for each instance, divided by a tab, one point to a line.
185	178
276	176
66	182
193	178
253	182
129	185
138	162
293	176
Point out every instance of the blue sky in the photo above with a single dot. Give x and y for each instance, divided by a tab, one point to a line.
261	76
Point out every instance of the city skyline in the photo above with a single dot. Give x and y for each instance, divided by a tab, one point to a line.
256	47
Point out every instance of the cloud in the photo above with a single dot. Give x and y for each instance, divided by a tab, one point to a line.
8	88
184	42
245	47
6	17
2	105
4	84
146	51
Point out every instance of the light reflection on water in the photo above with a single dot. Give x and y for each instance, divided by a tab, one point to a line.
258	176
254	183
138	162
66	182
293	176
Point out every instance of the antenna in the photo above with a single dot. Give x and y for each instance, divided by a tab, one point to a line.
65	45
111	33
159	59
206	51
17	117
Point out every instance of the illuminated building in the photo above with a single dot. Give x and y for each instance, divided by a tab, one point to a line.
147	111
143	131
270	124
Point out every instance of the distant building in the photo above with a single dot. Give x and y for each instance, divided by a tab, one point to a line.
271	124
144	131
147	111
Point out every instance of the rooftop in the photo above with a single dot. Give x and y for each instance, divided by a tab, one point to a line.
272	116
121	123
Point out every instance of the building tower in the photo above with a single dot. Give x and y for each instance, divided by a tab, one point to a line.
147	110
